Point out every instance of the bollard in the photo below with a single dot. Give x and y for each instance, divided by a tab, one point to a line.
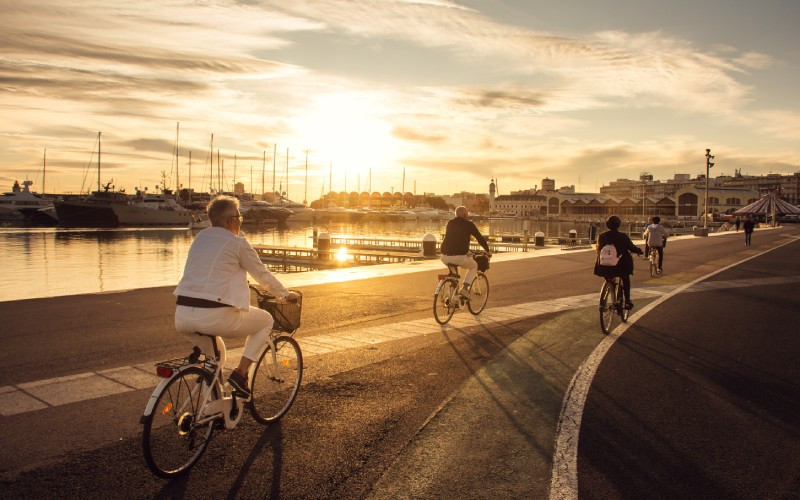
324	246
429	246
573	236
538	239
525	236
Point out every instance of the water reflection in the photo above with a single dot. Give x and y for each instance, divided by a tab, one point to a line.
45	262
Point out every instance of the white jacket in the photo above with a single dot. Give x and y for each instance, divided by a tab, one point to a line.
217	267
655	235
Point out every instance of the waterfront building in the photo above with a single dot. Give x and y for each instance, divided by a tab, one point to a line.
680	198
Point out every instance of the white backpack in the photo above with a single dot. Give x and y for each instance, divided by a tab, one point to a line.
608	256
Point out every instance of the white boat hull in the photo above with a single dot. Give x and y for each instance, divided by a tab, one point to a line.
131	215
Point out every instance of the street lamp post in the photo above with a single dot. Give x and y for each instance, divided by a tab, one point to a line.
709	164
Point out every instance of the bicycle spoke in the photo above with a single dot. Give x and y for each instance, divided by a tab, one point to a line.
276	380
172	439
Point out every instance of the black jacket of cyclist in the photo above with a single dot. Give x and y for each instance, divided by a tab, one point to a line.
455	245
625	247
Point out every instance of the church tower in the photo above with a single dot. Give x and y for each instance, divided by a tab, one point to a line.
492	193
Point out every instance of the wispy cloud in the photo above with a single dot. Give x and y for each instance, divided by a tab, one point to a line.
506	91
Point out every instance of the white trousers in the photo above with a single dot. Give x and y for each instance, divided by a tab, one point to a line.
465	262
254	324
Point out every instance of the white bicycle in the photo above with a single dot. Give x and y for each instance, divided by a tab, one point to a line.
192	400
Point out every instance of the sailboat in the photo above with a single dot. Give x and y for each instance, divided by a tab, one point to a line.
94	210
21	204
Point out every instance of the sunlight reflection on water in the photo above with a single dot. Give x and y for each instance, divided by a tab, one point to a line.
48	262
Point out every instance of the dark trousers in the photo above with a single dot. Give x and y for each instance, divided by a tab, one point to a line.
747	238
626	287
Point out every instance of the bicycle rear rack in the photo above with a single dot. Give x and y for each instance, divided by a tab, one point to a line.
167	368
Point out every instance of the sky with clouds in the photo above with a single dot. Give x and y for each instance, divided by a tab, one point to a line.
453	92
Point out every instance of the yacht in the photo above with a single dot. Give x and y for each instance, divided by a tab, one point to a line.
32	208
262	212
150	209
338	214
300	212
94	210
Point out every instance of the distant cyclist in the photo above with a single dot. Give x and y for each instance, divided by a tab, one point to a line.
656	237
455	246
624	247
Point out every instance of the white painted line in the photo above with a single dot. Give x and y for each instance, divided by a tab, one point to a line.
564	478
7	388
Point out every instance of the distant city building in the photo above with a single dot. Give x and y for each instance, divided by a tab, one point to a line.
678	198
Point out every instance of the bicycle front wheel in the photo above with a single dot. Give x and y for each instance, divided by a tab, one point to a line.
172	439
444	300
276	380
478	294
607	307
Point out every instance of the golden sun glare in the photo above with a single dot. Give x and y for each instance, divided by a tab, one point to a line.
348	130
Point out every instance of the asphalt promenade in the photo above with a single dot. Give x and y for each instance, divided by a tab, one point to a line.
696	397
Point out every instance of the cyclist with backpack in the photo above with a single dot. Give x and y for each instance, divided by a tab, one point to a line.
614	256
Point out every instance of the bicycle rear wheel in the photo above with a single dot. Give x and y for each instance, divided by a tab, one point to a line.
444	300
478	294
607	294
623	311
652	262
172	440
276	380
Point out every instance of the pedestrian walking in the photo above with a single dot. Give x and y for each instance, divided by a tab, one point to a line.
749	225
737	223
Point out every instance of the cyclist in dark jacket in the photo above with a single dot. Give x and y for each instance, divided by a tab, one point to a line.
455	246
624	247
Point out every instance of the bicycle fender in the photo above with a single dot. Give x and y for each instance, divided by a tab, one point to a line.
151	403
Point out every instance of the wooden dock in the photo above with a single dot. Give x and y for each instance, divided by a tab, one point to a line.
336	257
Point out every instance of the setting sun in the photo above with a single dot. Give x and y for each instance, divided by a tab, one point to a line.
347	129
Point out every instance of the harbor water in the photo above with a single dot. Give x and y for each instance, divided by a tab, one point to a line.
49	262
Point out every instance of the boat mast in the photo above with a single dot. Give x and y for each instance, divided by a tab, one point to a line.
403	196
287	173
211	164
330	180
98	162
190	174
44	169
263	167
177	176
305	195
274	154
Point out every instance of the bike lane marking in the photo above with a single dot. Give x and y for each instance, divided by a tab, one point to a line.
564	476
40	394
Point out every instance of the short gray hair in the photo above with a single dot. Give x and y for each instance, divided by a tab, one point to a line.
461	211
219	209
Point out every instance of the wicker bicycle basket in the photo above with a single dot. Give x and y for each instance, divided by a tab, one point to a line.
286	314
